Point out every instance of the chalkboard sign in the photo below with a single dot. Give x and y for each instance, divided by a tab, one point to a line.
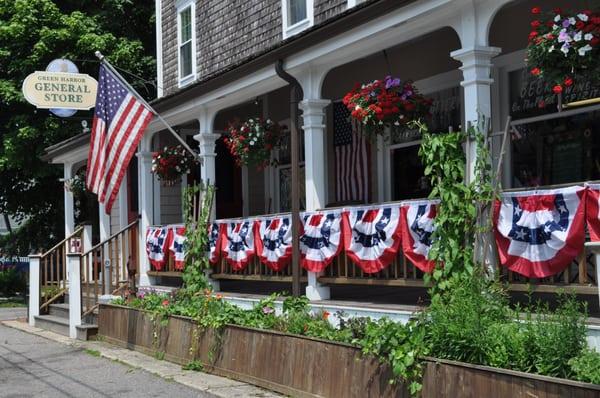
532	96
567	161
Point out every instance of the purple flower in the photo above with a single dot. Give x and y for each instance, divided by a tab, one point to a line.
566	23
391	82
267	310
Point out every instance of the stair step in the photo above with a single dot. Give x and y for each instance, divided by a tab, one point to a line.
52	323
87	331
59	310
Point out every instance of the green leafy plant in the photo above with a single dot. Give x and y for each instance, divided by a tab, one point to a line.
196	233
586	366
195	365
12	281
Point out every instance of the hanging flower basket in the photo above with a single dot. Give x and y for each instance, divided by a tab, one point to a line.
564	47
171	163
252	141
387	102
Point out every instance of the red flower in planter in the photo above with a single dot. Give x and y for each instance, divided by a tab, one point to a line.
557	89
326	315
165	303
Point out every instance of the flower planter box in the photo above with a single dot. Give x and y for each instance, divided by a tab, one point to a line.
306	367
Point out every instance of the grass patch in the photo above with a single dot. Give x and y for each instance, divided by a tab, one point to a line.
160	355
13	303
94	353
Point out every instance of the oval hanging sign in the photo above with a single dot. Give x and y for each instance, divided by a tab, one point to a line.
60	90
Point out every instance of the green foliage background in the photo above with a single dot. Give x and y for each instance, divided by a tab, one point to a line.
33	33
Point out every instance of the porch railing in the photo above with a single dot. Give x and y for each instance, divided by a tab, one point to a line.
53	268
106	267
254	271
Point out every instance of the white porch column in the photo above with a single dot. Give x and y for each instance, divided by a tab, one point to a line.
477	81
313	113
146	211
123	203
69	202
315	168
206	143
34	287
104	221
74	273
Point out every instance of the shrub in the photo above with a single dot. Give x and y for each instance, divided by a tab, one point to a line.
586	367
11	281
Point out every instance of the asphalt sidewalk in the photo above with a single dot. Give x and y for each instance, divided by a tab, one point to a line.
36	362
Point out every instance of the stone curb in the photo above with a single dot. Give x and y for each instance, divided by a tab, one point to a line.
215	385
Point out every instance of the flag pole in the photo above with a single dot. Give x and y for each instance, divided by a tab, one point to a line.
147	105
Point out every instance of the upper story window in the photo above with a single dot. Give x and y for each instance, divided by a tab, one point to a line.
297	15
186	41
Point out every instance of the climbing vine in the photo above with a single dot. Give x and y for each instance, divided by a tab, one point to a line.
460	219
197	209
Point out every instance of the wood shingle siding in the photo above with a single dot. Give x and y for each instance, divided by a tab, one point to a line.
229	32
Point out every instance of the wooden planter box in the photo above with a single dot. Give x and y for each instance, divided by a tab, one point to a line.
307	367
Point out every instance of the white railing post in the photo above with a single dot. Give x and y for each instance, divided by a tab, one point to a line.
34	287
74	272
87	245
595	248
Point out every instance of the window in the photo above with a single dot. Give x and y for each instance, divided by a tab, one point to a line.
186	38
297	15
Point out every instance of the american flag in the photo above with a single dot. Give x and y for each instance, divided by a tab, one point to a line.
351	158
120	119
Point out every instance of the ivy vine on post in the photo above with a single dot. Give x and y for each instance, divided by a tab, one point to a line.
459	215
197	208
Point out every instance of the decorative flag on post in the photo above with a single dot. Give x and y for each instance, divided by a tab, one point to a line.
238	243
320	239
592	211
214	242
157	242
274	242
177	246
539	233
120	119
418	224
372	236
351	158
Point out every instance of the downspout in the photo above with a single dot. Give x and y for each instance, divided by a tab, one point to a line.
296	95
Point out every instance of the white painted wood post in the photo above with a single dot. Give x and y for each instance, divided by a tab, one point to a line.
34	287
595	248
68	199
104	234
146	213
208	174
313	114
74	272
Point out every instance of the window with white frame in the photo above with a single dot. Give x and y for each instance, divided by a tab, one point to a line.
297	15
186	42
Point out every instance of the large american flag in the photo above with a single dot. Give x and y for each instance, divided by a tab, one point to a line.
120	119
351	158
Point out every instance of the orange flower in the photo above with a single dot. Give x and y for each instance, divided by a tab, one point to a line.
326	315
165	303
219	296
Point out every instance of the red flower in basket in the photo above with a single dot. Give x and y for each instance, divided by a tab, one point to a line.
171	163
252	141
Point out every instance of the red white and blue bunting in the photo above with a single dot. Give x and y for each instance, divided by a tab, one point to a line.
592	211
215	232
157	243
177	246
320	238
539	233
274	242
237	246
372	236
417	227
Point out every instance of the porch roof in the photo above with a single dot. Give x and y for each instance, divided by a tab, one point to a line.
63	147
347	20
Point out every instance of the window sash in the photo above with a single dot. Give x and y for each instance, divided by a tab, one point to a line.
297	11
185	58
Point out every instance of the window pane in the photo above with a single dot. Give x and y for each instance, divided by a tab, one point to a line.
185	54
186	24
296	11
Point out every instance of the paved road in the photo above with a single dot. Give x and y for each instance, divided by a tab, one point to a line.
31	366
12	313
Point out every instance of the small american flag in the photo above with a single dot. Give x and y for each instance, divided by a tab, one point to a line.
351	158
120	119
